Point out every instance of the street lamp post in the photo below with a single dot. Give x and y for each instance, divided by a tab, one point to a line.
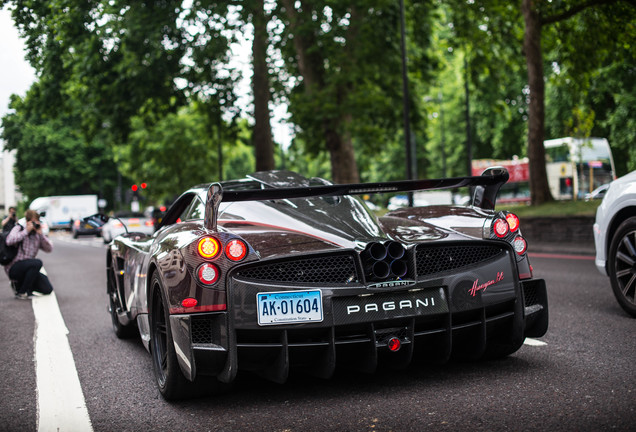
411	167
443	138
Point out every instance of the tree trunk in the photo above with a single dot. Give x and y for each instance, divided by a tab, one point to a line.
539	188
344	168
262	133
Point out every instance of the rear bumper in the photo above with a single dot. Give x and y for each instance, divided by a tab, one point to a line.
478	313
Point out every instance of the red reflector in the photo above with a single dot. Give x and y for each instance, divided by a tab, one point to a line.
208	247
208	273
236	250
520	245
133	221
513	221
501	228
148	223
394	344
189	302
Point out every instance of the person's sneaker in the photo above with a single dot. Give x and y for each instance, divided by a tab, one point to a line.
22	296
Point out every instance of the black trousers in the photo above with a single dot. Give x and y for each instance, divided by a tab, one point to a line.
28	277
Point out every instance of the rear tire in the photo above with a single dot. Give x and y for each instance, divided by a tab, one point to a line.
622	265
121	331
170	381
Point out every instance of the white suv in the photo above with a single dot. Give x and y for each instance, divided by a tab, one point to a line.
615	239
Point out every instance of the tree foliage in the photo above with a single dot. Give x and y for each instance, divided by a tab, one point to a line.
150	90
155	153
53	157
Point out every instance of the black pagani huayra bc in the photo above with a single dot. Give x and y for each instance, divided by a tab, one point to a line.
277	271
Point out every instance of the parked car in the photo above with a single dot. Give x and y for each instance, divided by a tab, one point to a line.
272	272
124	222
81	228
615	240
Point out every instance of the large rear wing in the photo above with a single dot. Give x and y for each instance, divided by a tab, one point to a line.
486	187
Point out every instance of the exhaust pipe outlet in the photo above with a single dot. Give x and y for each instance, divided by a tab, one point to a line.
399	268
380	270
384	260
374	252
394	250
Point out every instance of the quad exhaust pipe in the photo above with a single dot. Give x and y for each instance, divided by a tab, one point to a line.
384	260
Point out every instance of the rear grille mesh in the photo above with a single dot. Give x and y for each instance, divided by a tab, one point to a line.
201	329
431	260
530	296
322	269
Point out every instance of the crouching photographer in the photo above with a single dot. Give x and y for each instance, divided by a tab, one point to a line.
25	268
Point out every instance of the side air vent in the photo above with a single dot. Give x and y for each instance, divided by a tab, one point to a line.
334	269
439	259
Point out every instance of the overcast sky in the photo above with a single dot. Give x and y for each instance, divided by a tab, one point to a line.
16	76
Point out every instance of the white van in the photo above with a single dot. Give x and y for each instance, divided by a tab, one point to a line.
61	211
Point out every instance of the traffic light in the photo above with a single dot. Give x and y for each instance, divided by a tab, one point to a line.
136	189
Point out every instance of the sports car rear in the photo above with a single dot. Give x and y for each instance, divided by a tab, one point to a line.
458	299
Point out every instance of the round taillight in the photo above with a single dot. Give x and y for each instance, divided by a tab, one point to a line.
208	247
208	273
189	302
236	250
520	245
394	344
501	228
513	222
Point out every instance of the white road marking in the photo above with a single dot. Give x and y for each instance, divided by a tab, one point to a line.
534	342
61	404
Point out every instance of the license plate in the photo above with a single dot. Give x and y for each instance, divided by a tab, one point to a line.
289	307
133	225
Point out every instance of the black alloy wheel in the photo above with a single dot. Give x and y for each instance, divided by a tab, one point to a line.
622	265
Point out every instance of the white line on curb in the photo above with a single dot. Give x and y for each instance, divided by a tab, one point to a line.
61	404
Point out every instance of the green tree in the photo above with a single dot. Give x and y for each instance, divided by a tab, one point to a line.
594	76
52	157
174	153
345	60
536	16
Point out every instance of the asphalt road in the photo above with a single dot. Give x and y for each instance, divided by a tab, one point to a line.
582	378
